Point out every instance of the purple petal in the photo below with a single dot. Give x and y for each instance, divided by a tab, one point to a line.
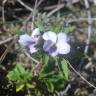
53	51
53	54
47	45
50	36
50	47
25	40
32	49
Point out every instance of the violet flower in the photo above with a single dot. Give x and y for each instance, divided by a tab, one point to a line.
30	41
55	43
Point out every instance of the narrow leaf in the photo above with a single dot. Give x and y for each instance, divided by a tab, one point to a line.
65	70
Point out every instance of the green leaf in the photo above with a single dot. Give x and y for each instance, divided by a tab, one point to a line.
56	27
19	87
30	85
12	76
50	86
55	78
18	73
65	70
44	75
46	59
20	68
45	62
69	29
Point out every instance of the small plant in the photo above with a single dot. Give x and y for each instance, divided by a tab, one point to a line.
48	80
50	69
21	77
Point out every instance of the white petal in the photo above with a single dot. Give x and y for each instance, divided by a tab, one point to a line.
35	32
63	47
50	36
32	49
25	40
62	37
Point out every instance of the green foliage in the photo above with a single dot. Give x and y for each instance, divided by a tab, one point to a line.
54	74
21	76
65	70
54	23
69	29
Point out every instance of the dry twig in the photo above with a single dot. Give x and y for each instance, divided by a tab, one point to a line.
5	53
3	11
80	20
88	39
27	19
81	76
39	2
89	31
7	40
94	2
30	57
26	6
86	3
34	13
59	6
50	7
